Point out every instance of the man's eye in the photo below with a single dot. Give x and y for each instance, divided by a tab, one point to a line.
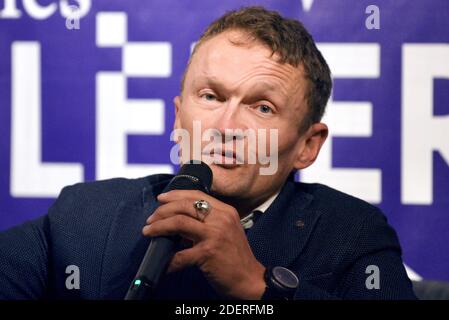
209	97
265	109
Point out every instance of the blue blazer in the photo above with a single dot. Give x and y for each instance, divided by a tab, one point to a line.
326	237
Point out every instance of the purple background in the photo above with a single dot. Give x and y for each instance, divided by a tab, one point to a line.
71	59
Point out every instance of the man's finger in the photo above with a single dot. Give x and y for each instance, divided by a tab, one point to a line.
193	195
185	258
173	208
177	225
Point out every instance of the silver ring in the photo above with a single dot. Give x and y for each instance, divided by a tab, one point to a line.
202	208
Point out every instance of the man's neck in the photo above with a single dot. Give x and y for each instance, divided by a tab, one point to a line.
245	206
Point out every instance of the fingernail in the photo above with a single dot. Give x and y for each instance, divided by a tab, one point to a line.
146	229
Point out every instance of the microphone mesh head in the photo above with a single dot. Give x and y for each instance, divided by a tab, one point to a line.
199	170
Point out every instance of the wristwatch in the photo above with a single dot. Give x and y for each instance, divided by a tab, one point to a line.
281	284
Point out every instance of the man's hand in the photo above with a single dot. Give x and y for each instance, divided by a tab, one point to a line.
220	247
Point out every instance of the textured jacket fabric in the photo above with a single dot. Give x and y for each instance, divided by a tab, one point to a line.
328	238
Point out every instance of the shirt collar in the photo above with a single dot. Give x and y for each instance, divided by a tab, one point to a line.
264	206
247	222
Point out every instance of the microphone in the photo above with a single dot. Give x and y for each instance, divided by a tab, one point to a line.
194	175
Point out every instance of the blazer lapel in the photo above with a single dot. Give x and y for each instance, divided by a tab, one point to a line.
280	234
126	245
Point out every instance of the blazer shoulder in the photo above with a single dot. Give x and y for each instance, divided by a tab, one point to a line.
102	196
350	223
115	189
339	204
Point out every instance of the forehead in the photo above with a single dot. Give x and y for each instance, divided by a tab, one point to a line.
233	58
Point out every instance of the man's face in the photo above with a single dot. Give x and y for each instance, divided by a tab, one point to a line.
230	86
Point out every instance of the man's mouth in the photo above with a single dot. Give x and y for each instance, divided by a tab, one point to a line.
225	158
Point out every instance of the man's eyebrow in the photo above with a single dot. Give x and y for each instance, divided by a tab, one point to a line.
212	82
256	89
265	87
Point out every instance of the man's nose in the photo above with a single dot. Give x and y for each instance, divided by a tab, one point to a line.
231	121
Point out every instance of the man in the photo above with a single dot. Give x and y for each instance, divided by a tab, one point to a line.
264	236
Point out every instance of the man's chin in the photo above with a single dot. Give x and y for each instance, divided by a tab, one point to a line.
228	180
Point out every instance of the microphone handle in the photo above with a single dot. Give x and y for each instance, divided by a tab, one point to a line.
161	249
159	253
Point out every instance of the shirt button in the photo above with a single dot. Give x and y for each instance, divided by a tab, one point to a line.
299	223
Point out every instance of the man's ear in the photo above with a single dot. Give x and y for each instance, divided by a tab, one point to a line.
310	145
177	103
